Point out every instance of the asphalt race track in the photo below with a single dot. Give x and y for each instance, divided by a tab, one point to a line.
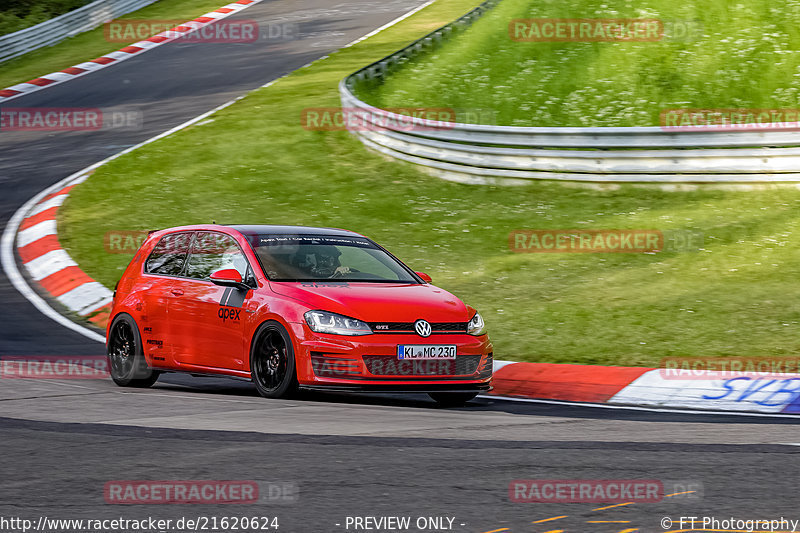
62	441
373	456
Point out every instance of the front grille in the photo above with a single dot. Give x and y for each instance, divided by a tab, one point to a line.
487	367
381	327
449	326
389	365
403	327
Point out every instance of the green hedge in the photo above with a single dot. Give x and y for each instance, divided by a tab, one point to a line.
21	14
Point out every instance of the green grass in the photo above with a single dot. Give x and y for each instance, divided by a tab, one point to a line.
92	44
256	164
748	57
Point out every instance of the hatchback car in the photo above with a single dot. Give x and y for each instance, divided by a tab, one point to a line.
290	308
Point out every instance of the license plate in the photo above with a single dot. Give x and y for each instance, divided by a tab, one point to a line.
426	351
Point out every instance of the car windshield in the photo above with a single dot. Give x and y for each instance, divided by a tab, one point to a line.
326	257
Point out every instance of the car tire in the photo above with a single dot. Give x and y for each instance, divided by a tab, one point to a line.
126	362
272	363
452	399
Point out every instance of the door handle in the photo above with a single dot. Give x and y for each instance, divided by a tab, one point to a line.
177	292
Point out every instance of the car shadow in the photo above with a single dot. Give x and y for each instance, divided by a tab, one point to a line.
233	387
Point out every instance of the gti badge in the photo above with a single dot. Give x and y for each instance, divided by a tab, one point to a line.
423	328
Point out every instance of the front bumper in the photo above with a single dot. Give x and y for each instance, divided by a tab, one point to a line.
395	387
369	362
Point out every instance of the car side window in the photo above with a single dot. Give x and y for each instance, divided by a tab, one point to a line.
213	251
169	254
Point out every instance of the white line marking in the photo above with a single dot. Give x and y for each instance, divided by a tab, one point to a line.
145	44
390	24
55	201
498	364
119	56
351	43
86	298
88	65
24	86
48	264
34	233
58	76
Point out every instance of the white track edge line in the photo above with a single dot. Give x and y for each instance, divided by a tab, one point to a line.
9	233
351	43
637	408
390	24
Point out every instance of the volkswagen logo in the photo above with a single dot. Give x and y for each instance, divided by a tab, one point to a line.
423	328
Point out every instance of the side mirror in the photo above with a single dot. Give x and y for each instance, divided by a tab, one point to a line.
228	277
426	278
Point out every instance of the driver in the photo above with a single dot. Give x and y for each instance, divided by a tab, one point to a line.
324	262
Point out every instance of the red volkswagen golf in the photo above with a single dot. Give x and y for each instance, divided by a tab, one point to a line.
291	308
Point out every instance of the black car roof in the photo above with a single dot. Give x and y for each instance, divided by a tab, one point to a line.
259	229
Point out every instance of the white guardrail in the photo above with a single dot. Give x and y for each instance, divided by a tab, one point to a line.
495	154
67	25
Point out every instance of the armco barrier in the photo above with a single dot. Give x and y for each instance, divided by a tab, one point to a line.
484	153
67	25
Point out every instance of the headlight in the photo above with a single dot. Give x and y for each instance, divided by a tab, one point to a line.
476	325
324	322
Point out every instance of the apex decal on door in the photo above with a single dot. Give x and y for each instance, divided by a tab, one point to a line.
228	314
231	304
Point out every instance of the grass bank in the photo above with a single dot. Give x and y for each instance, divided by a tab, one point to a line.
733	55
